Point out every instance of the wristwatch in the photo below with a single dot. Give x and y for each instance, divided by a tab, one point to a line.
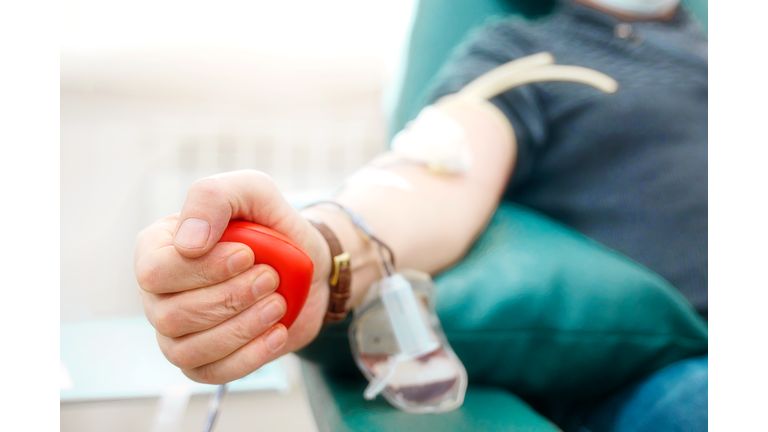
341	275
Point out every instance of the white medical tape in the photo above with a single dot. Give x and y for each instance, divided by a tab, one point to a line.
368	176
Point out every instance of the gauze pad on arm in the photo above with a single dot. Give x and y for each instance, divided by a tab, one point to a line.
436	140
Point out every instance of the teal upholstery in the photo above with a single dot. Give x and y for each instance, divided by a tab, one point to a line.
539	309
700	9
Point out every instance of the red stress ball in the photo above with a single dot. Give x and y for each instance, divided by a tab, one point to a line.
269	247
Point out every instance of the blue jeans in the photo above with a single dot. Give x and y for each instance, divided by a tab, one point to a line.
672	399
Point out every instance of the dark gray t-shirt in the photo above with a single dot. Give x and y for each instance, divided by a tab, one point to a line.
628	170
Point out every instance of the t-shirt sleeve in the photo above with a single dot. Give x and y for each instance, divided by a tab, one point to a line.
486	49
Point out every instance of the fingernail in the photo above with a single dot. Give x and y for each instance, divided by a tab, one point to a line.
272	312
277	338
240	261
264	284
193	233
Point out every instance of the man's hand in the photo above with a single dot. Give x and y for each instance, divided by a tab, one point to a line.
215	312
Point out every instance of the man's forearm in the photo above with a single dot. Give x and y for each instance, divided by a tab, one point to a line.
430	226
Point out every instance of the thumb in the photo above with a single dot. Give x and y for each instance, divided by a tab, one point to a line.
213	201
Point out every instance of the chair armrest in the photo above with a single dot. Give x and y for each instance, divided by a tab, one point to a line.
338	406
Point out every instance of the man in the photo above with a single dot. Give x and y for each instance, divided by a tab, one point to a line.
628	170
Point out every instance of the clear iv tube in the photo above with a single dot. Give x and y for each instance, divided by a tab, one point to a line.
213	407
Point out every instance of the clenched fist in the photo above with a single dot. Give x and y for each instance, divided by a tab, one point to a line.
216	313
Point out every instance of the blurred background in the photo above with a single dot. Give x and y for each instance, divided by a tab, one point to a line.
156	94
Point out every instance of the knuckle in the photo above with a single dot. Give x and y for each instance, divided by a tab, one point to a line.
261	179
171	353
205	374
241	331
234	300
257	178
148	275
181	356
197	374
208	272
168	323
262	176
209	187
230	303
148	306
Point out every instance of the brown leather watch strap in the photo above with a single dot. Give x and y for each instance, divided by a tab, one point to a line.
341	275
